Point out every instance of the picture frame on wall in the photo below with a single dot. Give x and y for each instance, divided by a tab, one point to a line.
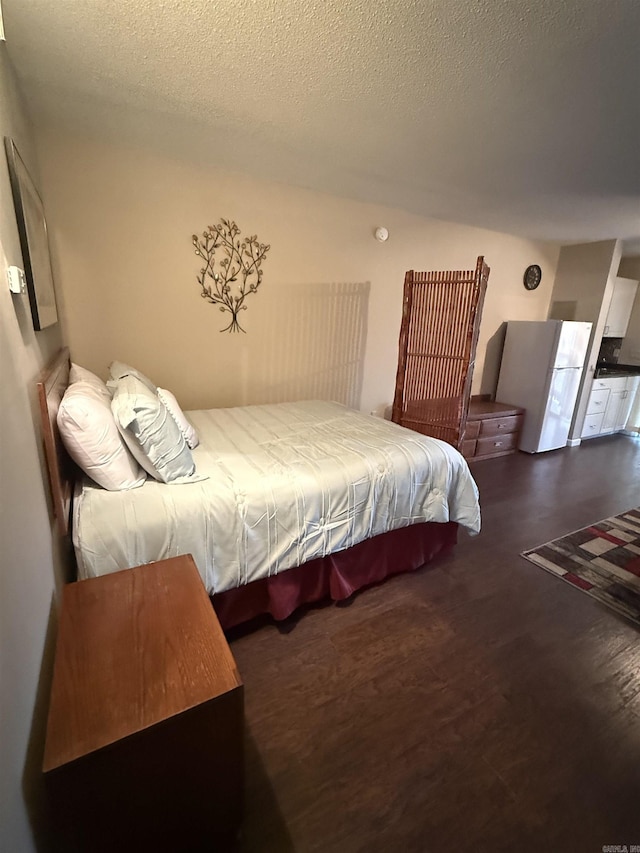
32	228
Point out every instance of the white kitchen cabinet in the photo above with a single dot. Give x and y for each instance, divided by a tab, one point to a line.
612	413
592	425
619	407
619	312
596	408
598	400
610	404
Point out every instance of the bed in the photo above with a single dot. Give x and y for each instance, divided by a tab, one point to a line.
298	502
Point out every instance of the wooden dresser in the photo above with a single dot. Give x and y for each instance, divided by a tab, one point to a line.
493	429
144	747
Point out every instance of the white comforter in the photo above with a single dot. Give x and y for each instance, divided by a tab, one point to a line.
286	483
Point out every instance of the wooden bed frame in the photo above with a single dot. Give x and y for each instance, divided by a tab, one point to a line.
336	576
62	470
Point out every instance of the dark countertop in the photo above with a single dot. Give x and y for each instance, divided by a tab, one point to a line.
612	370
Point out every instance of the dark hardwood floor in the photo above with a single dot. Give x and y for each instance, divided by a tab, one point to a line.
476	704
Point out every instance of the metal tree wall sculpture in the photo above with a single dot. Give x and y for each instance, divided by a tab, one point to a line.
239	271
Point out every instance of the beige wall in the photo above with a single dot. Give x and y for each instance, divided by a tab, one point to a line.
583	289
121	222
630	351
630	267
28	551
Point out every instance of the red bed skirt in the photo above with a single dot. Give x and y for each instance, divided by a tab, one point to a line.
336	576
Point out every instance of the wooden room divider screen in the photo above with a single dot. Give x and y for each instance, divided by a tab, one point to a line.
438	338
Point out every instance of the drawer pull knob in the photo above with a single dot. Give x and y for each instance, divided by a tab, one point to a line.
497	443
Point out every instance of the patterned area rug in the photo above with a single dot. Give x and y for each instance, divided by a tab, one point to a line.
602	560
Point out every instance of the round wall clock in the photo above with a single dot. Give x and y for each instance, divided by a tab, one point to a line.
532	277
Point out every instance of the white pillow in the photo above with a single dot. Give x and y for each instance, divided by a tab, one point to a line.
151	433
92	439
188	431
81	374
118	369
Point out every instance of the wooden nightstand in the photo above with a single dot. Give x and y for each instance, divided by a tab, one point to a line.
144	747
493	429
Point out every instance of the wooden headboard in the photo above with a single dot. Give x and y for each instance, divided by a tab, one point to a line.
62	471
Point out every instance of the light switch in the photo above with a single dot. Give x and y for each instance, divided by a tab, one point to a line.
17	281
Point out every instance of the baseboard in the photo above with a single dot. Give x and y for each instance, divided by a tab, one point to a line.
573	442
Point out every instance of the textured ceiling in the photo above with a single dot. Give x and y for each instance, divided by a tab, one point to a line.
518	116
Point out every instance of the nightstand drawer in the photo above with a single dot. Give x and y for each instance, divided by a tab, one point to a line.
145	735
497	444
469	448
472	429
500	426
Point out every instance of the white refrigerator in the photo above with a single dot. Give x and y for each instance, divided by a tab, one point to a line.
542	364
